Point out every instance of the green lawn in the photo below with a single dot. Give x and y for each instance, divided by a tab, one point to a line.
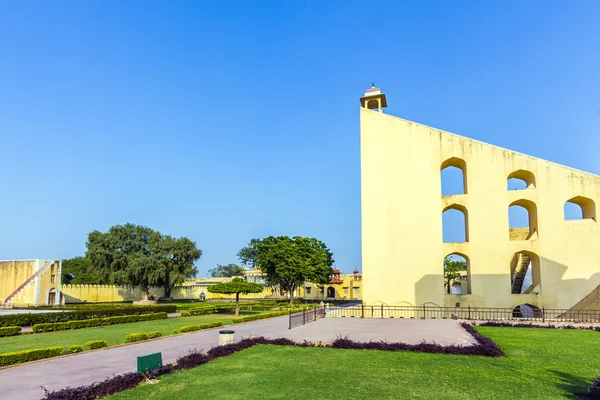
539	364
114	334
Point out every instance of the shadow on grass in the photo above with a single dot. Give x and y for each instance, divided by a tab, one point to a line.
574	385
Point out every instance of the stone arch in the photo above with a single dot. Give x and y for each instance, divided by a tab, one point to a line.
465	281
525	273
450	218
331	292
521	226
580	207
528	311
451	183
520	179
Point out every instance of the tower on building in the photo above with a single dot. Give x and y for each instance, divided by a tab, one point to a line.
374	99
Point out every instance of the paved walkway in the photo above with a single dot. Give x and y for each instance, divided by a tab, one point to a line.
24	382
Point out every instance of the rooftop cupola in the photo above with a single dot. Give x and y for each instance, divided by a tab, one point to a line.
374	99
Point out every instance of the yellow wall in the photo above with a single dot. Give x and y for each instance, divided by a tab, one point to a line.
109	293
15	273
349	283
105	293
402	208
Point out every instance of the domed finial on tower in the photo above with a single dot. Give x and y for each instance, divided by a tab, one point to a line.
374	99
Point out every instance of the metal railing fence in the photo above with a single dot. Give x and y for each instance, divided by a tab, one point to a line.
305	316
469	313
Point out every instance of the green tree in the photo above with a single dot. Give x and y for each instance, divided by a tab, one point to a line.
453	270
78	271
247	255
139	256
289	262
236	286
178	256
226	271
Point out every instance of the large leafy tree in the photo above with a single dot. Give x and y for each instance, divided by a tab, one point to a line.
247	255
453	270
79	270
236	286
289	262
226	271
139	256
177	256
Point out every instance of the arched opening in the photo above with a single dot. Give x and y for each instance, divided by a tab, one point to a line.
527	311
455	224
330	292
522	220
525	273
51	297
520	180
457	276
580	207
453	174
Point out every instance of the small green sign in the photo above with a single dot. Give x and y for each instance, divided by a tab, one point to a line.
149	362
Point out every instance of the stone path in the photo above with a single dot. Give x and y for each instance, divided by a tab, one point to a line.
24	382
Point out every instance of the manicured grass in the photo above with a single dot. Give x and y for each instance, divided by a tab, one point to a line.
114	334
539	364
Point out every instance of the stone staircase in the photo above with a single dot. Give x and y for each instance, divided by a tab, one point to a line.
523	261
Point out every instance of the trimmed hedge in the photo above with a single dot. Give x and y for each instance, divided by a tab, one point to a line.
52	317
9	331
75	349
96	344
259	316
17	357
154	334
136	337
88	323
192	328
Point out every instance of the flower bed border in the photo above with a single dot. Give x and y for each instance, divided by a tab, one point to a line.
118	383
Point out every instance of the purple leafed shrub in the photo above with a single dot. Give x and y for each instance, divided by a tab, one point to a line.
485	346
594	390
192	359
96	390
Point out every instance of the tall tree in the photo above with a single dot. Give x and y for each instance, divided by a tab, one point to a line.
178	256
453	270
226	271
247	255
78	271
289	262
236	286
139	256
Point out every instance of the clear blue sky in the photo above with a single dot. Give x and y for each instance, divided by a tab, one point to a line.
223	120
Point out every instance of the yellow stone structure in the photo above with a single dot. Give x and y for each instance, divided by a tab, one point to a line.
552	263
30	282
340	287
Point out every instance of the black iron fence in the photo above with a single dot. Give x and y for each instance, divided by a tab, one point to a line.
306	316
470	313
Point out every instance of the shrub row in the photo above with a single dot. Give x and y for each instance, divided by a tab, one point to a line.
88	323
75	349
9	331
259	316
17	357
127	381
96	344
138	337
51	317
191	328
